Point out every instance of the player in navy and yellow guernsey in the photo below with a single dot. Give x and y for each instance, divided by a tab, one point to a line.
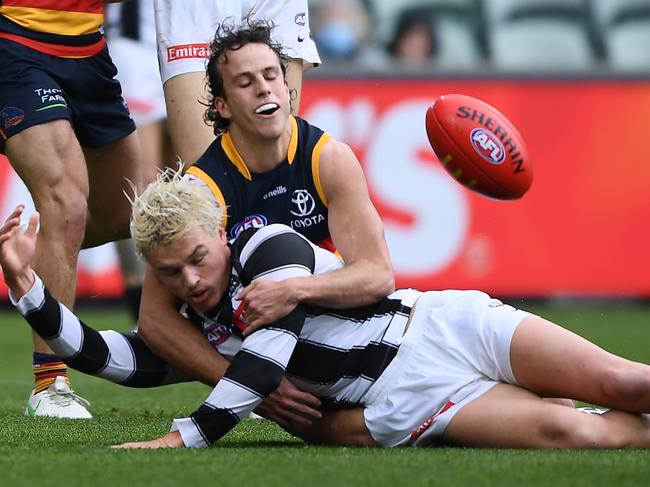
267	166
290	193
67	132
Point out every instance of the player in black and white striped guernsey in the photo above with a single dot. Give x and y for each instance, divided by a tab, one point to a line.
337	353
455	366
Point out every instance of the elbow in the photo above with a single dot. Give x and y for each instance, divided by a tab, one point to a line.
146	328
385	282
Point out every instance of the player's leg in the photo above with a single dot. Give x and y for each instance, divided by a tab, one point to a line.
110	168
42	147
294	80
552	361
511	417
184	30
290	21
190	134
48	159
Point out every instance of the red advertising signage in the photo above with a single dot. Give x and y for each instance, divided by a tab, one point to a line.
579	231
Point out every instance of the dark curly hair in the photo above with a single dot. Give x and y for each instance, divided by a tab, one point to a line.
230	37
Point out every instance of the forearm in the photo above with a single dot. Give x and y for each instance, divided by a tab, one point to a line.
21	283
181	345
356	284
345	427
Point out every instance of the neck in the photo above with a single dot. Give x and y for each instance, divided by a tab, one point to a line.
261	154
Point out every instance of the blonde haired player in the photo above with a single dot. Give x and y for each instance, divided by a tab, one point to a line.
455	367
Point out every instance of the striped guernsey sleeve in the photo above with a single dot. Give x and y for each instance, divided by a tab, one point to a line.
118	357
274	252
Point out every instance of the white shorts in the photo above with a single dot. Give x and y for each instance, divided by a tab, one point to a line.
137	70
456	348
186	27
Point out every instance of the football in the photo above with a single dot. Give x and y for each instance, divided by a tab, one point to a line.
479	147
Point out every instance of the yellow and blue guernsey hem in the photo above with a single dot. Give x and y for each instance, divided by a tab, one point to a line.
62	28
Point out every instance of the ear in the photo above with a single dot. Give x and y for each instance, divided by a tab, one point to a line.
222	108
222	235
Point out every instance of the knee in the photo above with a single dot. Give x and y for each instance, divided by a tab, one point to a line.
623	384
64	211
580	431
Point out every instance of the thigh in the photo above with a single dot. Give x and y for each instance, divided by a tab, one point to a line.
553	361
184	30
290	20
508	416
55	176
190	134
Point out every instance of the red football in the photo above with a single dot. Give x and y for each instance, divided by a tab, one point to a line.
479	147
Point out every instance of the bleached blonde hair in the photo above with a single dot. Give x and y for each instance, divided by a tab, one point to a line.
170	206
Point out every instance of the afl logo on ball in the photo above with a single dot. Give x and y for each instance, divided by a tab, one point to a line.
487	145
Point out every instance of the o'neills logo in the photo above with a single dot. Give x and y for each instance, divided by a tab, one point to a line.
188	51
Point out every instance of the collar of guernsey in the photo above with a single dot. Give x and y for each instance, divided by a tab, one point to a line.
62	28
237	160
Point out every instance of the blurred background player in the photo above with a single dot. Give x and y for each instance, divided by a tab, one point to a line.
185	29
131	37
68	135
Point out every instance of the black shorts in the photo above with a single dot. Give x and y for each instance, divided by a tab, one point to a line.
36	88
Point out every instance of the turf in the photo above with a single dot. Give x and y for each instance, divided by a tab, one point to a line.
41	452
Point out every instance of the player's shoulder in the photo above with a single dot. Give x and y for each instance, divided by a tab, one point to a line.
272	245
252	238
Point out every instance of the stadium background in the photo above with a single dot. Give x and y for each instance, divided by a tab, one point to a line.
581	102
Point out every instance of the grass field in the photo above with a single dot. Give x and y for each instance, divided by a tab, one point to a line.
41	452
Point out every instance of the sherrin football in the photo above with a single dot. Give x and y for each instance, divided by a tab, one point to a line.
479	147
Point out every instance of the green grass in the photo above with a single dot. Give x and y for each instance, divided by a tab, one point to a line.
41	452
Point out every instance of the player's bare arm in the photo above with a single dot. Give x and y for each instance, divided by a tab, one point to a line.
344	427
358	234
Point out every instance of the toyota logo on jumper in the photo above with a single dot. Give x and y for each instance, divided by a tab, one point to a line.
303	203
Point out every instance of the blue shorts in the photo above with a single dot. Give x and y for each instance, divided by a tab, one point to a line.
36	88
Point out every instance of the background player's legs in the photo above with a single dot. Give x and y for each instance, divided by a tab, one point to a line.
48	159
294	79
511	417
552	361
183	96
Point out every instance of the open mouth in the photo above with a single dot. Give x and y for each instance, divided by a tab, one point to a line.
267	109
199	295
